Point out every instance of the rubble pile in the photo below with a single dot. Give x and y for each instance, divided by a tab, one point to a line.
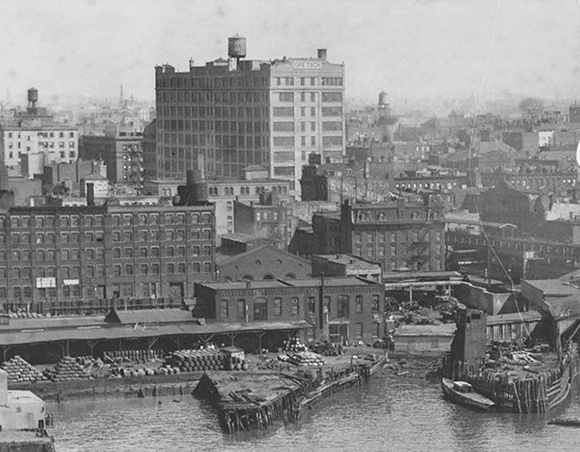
20	371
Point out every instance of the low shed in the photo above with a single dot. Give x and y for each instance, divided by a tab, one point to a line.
424	340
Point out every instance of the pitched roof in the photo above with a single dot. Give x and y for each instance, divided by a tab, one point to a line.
224	260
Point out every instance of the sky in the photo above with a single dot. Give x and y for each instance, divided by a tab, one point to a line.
409	48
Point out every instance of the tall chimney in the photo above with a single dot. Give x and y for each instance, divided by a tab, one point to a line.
90	194
322	54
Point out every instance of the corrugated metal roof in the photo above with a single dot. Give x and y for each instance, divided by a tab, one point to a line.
110	331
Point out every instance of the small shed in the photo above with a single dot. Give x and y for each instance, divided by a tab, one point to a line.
424	340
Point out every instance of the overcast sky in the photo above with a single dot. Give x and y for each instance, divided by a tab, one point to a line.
410	48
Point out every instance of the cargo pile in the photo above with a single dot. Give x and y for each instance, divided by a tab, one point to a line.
306	359
20	371
294	345
195	360
67	369
136	356
235	363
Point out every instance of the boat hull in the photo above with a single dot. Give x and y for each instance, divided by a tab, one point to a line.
470	400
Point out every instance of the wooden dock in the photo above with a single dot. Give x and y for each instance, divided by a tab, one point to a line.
535	393
256	400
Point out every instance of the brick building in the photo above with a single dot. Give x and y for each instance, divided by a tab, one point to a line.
267	219
238	112
122	153
407	233
337	308
266	262
52	254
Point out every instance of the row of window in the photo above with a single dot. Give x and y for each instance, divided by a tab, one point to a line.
288	96
231	112
260	306
40	221
188	81
98	253
25	292
400	236
41	134
313	81
395	250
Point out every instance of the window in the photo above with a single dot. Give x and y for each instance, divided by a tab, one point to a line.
358	304
277	306
155	269
129	269
144	269
224	309
375	304
295	306
358	330
117	270
311	305
181	267
128	252
171	268
343	308
241	309
116	253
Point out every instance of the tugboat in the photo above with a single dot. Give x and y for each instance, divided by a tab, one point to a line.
462	393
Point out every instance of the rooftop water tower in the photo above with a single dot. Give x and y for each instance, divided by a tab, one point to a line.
236	50
32	100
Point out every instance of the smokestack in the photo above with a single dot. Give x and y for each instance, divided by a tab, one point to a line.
90	194
322	54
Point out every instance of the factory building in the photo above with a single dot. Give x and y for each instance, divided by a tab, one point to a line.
235	113
78	255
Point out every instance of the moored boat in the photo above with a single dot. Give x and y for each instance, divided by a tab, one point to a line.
462	393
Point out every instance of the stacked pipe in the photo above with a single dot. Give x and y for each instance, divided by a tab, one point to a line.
67	369
306	359
19	371
195	360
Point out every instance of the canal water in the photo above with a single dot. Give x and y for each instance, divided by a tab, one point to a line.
390	413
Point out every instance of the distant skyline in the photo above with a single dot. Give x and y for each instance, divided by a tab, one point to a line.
411	49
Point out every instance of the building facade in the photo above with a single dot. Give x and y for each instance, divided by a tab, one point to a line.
33	139
122	153
236	113
407	233
346	308
77	254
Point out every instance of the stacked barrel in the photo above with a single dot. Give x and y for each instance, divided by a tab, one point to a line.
294	345
235	363
195	360
67	369
143	355
20	371
306	359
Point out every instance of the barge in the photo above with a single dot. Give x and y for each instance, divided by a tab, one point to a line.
257	400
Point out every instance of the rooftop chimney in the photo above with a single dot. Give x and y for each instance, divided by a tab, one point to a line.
322	54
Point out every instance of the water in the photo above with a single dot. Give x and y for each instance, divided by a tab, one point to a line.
388	414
